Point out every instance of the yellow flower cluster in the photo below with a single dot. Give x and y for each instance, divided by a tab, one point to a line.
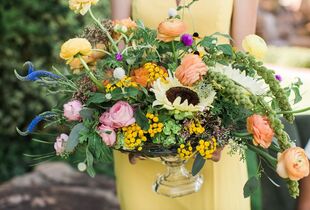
155	125
195	128
155	72
207	148
134	136
125	82
185	151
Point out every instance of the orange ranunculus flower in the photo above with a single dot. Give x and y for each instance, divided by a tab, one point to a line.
293	163
260	128
191	70
126	22
170	29
140	76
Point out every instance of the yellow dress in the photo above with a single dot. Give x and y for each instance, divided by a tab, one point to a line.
224	180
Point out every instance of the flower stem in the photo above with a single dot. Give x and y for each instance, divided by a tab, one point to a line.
90	74
104	30
242	134
264	154
101	50
295	111
174	53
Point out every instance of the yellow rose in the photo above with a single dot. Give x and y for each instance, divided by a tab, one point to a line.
255	46
81	6
75	46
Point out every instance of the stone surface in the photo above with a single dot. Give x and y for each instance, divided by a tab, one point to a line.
56	186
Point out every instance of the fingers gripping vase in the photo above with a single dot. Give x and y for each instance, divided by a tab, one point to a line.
176	181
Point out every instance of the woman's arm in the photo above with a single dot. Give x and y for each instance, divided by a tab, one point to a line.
244	20
121	9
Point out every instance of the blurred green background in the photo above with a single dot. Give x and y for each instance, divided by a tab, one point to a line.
34	31
30	31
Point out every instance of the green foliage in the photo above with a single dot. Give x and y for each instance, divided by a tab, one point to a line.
251	186
141	119
30	30
73	139
198	164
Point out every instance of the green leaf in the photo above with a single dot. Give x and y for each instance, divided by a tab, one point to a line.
100	150
198	164
298	97
96	98
140	24
132	92
73	139
207	41
250	186
226	49
227	36
117	94
90	163
141	119
87	114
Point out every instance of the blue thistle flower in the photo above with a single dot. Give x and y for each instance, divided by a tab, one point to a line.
33	124
34	74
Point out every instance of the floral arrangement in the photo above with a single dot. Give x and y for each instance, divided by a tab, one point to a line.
165	92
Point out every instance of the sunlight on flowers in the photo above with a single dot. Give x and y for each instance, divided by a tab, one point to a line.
170	29
81	6
73	47
255	46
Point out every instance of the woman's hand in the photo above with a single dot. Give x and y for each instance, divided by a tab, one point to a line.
217	154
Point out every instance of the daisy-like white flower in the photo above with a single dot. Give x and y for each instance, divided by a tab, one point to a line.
172	95
253	85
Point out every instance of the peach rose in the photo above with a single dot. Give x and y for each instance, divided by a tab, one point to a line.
191	70
140	76
293	164
260	128
170	29
126	22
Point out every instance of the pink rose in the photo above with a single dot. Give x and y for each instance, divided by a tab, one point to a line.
60	143
107	134
120	115
72	110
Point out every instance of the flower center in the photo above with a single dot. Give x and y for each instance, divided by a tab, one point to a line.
184	93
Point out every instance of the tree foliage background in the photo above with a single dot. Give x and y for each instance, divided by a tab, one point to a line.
30	31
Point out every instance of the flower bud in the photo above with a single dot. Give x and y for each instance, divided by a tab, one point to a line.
255	46
81	166
172	12
119	73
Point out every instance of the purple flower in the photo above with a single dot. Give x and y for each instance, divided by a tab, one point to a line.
187	39
278	77
119	57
